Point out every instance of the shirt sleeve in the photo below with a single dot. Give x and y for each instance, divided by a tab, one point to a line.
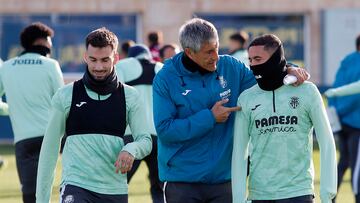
49	151
171	129
328	173
240	157
4	108
58	79
350	89
344	105
119	73
142	144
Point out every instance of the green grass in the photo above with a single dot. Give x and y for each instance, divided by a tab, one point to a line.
138	188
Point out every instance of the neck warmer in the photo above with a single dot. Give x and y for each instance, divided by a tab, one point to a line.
192	66
270	75
42	50
102	87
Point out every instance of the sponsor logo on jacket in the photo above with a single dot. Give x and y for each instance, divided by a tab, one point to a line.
27	62
276	124
225	94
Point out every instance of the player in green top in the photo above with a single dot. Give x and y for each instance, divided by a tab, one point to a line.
29	81
278	121
93	113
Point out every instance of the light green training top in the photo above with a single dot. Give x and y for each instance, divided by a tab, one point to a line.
129	69
88	159
243	56
279	124
352	88
29	82
4	108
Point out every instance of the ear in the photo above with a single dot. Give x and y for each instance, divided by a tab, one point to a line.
116	57
188	53
85	57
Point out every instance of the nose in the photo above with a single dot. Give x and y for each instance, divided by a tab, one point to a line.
215	56
98	65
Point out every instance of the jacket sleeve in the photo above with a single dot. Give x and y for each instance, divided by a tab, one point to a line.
171	129
49	152
240	157
328	173
142	144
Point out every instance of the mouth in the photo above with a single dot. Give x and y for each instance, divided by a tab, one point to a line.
99	75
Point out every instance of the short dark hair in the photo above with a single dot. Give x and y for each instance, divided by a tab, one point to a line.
126	45
358	42
240	36
154	37
102	37
31	33
270	42
166	46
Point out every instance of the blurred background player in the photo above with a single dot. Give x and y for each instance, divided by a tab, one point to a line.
124	48
138	71
29	82
348	110
237	46
155	39
3	111
168	51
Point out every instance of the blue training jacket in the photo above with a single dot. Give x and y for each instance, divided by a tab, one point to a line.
192	147
348	107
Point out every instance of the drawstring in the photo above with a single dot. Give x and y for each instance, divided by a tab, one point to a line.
183	84
203	82
217	75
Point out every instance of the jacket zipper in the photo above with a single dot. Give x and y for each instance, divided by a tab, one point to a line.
274	109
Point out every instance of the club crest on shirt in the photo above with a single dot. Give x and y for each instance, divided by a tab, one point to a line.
294	102
69	199
222	81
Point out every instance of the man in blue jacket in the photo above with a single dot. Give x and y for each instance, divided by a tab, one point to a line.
348	109
194	96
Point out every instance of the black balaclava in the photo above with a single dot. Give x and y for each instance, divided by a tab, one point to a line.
42	50
102	87
270	75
